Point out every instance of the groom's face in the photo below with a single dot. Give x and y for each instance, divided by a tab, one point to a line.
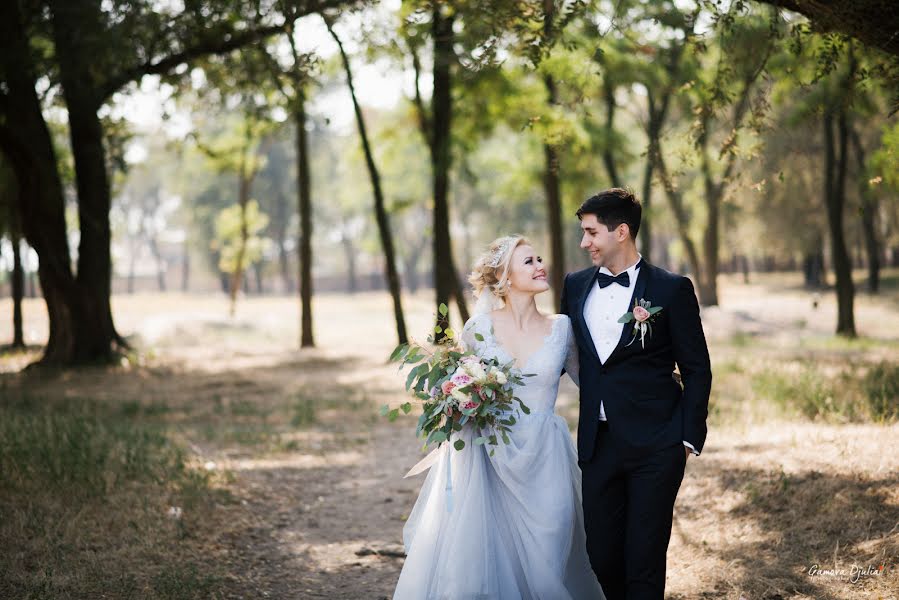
602	244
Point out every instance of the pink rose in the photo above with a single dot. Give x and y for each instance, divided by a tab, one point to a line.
640	314
461	379
469	404
448	387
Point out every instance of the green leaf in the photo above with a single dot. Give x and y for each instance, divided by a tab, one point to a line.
450	332
627	318
406	407
393	414
398	352
654	310
480	441
384	410
479	337
438	437
443	309
413	357
438	329
458	444
416	372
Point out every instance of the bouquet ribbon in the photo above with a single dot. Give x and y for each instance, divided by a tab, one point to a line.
427	462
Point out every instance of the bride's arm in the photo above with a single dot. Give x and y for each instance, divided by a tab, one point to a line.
572	363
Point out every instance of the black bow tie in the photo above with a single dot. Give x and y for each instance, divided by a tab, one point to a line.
605	280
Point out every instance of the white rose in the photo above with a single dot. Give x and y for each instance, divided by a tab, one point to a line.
460	396
476	371
500	377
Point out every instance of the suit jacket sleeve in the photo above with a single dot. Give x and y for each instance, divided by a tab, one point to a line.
692	356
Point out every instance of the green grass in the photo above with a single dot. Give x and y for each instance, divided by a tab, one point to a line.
84	490
867	393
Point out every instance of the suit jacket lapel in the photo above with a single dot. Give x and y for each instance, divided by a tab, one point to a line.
628	330
582	301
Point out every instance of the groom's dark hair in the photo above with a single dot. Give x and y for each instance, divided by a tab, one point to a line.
613	207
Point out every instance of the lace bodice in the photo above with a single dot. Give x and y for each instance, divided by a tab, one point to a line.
557	352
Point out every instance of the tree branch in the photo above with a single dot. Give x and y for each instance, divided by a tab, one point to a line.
423	120
210	42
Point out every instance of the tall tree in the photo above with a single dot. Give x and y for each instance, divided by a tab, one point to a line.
381	216
835	122
97	51
435	125
551	184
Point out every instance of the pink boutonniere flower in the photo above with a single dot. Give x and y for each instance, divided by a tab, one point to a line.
643	314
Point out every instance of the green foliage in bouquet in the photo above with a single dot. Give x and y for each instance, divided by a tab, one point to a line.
455	386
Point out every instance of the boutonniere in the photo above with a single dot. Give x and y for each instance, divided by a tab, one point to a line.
644	313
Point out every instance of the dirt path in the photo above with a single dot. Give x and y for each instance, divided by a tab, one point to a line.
315	477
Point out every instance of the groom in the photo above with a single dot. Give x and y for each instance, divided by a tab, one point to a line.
637	424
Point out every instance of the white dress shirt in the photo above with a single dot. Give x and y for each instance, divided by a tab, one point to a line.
602	309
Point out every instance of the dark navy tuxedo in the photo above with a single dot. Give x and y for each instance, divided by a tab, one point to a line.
633	463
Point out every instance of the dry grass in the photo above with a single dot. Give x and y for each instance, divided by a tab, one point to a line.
289	481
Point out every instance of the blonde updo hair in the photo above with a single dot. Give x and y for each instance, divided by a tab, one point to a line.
491	269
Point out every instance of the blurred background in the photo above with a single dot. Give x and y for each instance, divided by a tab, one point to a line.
218	218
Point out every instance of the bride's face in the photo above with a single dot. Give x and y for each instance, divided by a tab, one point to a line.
526	271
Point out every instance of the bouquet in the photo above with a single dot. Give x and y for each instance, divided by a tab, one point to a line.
456	386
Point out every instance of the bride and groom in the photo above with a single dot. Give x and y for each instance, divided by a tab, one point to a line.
536	519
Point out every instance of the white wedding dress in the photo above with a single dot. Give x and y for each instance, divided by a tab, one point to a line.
516	529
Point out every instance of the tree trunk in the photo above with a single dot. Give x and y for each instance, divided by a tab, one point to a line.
349	250
869	209
18	291
446	282
708	280
646	219
257	271
656	118
281	239
677	207
834	198
381	217
26	142
552	188
243	197
551	168
185	266
73	26
304	200
608	152
813	266
160	263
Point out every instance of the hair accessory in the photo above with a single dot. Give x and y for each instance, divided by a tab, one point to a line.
496	256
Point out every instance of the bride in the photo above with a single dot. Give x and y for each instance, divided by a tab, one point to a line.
507	525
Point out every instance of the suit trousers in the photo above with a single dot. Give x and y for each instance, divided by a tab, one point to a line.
628	499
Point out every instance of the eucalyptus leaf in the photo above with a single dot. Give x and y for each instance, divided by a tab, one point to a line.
458	444
398	352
